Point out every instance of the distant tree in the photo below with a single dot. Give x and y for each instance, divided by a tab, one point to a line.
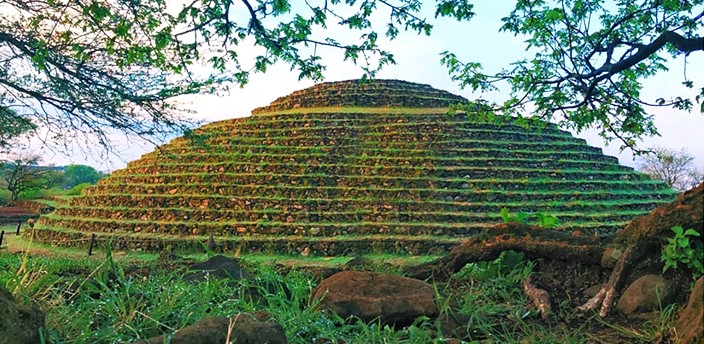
80	174
23	174
675	168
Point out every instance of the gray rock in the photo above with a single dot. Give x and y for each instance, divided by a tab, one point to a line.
19	324
217	267
243	329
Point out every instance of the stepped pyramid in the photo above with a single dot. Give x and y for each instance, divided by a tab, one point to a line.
347	168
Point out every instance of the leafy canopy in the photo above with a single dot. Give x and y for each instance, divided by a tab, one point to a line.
588	59
84	66
80	174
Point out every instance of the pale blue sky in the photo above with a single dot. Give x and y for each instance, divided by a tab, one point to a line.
418	61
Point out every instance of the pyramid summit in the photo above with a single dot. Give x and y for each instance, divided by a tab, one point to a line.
348	168
370	93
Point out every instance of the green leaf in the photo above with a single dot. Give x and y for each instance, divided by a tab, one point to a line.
692	232
505	215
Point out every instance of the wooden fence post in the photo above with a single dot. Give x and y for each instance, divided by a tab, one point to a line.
90	244
211	242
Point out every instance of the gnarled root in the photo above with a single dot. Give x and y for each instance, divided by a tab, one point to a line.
535	243
607	293
539	297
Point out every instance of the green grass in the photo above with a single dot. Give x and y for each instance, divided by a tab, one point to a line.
274	211
165	151
343	189
356	110
457	127
455	142
48	202
221	158
472	183
285	168
111	306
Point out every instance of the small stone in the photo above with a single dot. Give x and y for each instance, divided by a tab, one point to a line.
610	257
306	252
591	291
647	294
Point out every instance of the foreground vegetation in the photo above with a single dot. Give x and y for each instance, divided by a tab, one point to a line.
126	297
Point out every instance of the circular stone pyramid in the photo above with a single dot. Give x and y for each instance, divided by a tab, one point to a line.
347	168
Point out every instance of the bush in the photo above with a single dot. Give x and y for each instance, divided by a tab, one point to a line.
4	197
39	193
77	190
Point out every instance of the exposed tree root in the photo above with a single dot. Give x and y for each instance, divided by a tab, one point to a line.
641	242
539	297
534	242
607	293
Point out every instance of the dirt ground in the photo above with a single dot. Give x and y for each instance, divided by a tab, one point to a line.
15	211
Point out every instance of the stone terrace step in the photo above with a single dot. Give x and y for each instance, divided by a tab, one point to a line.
466	172
286	153
428	122
377	193
304	216
350	135
330	159
330	246
374	93
314	229
342	204
455	127
422	182
452	146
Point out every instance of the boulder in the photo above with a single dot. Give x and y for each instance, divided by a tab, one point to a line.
369	296
245	329
19	324
690	320
646	295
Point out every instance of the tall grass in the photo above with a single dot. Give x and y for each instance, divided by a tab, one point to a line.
101	301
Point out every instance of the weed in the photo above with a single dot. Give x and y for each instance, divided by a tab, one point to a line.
543	220
684	248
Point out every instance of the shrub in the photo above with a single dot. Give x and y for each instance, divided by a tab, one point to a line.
684	248
539	219
77	190
4	197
